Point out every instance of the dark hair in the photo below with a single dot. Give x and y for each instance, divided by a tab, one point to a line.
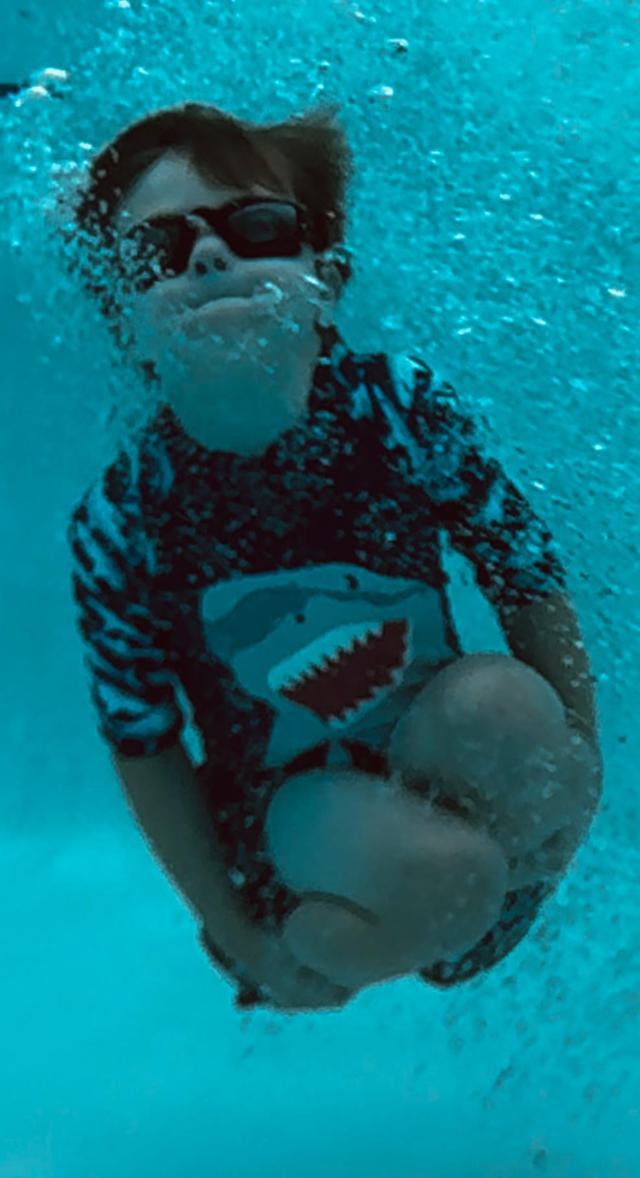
307	154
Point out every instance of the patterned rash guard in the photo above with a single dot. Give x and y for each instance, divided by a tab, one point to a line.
298	596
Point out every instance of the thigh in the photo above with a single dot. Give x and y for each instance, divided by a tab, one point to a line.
340	832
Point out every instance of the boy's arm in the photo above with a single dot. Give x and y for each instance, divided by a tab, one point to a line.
546	635
134	691
491	523
166	796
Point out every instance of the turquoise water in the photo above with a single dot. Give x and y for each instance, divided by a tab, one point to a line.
495	222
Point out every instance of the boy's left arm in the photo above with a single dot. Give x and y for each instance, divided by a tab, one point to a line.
545	634
491	523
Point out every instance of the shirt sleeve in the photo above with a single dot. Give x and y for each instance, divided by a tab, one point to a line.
487	518
131	685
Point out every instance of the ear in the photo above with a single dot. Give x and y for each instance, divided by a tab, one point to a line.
330	277
331	269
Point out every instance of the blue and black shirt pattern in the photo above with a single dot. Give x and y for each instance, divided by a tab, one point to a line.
299	596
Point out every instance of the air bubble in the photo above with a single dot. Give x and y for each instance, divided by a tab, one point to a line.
269	292
33	94
381	91
53	75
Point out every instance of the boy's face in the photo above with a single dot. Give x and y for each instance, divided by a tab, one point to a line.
221	306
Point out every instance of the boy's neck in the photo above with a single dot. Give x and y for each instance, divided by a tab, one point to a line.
245	409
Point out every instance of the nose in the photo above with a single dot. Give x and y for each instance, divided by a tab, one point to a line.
209	254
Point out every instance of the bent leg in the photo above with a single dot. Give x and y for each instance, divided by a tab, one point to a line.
419	885
492	732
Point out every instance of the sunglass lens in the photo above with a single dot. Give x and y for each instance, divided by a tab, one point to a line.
157	249
269	227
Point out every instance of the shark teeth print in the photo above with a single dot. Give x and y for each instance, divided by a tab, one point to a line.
338	673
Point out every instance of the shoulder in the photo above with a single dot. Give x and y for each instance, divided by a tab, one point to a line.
414	385
113	491
407	393
387	384
436	437
411	376
109	517
141	469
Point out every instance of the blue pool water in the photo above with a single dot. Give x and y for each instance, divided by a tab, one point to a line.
494	218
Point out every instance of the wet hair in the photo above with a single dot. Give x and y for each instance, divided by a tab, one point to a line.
307	155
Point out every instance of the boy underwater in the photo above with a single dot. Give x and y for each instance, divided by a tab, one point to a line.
372	802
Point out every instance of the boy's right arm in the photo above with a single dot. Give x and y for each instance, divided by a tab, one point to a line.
134	690
166	797
133	686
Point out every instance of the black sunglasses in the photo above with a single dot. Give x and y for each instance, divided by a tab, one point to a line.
253	227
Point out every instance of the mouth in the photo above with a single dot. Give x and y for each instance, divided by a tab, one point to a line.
232	301
205	315
239	312
223	301
217	309
263	294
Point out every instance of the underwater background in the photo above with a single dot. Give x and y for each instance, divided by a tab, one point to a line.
494	220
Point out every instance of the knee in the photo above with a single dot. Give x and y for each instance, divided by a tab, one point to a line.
481	700
488	689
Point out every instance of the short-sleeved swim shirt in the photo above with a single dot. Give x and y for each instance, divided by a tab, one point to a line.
297	596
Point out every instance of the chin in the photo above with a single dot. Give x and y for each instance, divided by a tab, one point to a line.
236	438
